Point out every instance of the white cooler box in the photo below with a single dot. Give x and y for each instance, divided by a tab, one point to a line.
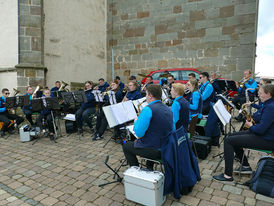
144	187
24	133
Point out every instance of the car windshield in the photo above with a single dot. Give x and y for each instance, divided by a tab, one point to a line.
156	76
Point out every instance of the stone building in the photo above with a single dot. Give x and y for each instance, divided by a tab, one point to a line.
47	40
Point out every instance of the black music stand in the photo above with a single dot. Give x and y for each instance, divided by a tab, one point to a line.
115	171
17	101
49	104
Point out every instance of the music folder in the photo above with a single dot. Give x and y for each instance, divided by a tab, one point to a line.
120	113
221	112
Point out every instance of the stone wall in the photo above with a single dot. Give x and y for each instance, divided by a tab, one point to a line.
30	70
208	35
75	40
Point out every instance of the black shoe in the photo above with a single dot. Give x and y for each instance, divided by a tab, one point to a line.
51	137
97	137
222	178
243	170
2	133
11	131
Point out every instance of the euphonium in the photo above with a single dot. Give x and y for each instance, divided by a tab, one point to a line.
63	85
15	92
38	88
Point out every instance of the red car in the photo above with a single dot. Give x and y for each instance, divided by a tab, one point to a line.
180	74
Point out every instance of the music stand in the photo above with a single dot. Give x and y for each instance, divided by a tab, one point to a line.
79	96
68	98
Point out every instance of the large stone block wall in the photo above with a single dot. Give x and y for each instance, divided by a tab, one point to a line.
204	34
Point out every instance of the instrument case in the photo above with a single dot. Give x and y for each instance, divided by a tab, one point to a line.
203	148
71	126
144	187
25	133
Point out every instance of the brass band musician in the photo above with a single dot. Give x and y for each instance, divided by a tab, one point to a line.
5	116
27	110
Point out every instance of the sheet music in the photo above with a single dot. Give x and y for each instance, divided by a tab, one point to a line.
112	97
221	112
70	117
119	113
130	128
129	110
97	95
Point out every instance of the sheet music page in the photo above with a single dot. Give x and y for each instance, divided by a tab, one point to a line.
112	98
70	117
97	95
222	113
129	110
119	113
130	129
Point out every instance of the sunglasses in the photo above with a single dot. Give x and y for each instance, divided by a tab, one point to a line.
7	93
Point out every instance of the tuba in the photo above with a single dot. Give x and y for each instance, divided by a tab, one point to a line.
63	86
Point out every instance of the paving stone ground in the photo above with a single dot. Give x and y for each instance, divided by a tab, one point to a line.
68	173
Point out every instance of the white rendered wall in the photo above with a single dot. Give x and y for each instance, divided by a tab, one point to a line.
9	33
8	80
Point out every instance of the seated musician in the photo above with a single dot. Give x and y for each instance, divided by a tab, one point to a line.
27	110
102	85
207	92
149	81
214	81
86	109
5	115
101	121
134	80
187	93
251	85
195	100
259	136
152	126
121	84
46	115
180	107
133	92
57	87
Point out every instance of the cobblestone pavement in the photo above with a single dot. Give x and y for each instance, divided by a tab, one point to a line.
68	173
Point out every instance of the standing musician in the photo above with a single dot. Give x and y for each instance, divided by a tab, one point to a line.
27	110
163	79
133	92
86	109
195	101
207	92
46	115
248	83
259	136
101	121
121	84
5	116
102	85
180	107
152	126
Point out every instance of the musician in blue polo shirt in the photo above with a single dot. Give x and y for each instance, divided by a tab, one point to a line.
195	99
179	107
206	90
152	126
259	136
